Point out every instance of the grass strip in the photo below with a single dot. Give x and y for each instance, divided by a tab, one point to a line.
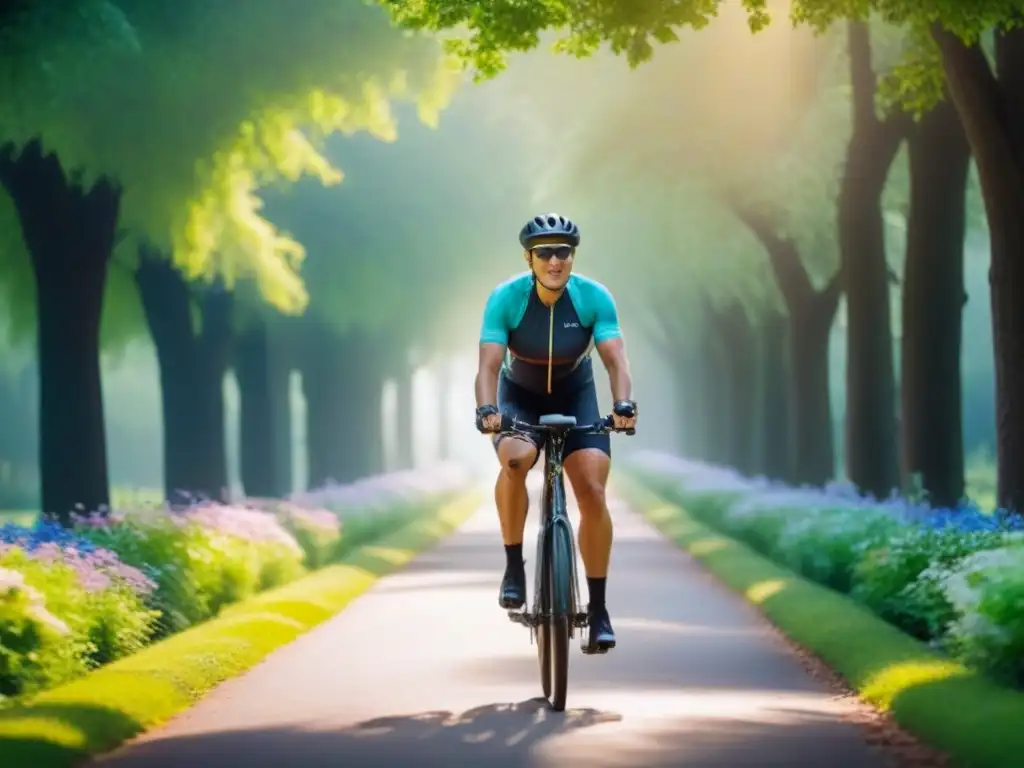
979	723
105	708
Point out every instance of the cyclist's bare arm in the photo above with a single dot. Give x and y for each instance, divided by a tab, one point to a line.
613	355
488	369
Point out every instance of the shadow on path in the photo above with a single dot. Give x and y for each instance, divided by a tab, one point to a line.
520	735
502	734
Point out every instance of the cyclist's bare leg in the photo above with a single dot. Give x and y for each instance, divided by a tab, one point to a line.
587	470
516	456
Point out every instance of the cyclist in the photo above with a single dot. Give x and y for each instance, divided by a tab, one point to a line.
538	330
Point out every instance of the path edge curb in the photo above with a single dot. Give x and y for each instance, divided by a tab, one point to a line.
976	722
100	711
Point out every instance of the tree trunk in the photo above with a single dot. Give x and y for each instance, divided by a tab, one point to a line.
871	453
992	114
321	368
933	300
405	419
192	364
342	385
265	419
717	387
691	403
810	394
776	447
443	372
367	397
214	354
738	346
811	315
69	234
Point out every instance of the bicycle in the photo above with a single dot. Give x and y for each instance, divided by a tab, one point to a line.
556	615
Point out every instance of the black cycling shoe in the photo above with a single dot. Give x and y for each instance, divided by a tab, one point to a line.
601	635
513	589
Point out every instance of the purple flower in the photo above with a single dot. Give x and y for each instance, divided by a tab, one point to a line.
95	570
249	524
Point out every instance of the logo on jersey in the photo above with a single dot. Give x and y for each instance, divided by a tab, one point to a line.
571	325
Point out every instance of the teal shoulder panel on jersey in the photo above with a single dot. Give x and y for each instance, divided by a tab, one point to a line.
595	306
505	307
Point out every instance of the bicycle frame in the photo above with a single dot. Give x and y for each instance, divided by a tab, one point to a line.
553	515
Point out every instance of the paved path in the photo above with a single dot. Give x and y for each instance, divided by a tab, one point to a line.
426	670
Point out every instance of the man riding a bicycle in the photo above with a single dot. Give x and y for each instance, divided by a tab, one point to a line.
538	330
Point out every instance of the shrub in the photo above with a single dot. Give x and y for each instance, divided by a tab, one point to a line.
32	640
317	531
72	600
951	577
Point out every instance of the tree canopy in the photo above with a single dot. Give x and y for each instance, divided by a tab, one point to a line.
194	109
483	34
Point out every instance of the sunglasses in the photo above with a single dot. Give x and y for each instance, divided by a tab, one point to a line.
545	252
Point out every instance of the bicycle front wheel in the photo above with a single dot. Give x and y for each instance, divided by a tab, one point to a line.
543	628
559	625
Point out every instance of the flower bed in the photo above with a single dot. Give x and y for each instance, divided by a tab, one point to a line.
952	578
73	600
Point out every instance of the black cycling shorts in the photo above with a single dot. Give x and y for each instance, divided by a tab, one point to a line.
581	402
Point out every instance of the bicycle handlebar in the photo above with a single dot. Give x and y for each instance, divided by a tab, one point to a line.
604	426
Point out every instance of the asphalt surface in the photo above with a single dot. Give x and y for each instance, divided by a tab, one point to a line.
426	670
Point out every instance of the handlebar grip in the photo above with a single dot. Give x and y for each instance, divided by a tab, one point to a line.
608	422
506	423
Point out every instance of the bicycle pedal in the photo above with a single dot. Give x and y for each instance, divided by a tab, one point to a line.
522	617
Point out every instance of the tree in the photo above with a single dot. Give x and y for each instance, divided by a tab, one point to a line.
180	170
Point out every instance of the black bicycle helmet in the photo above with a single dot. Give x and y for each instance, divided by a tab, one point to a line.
549	225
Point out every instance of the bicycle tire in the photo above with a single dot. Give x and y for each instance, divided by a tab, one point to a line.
543	603
560	624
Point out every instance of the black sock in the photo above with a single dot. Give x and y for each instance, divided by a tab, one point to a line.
514	556
596	587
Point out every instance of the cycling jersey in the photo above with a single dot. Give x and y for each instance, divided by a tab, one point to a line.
549	347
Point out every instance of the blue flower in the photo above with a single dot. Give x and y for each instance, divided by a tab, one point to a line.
43	532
